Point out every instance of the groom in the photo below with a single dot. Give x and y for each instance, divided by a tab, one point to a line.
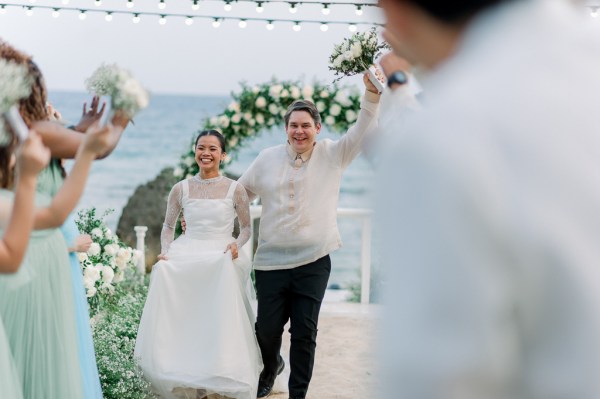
298	183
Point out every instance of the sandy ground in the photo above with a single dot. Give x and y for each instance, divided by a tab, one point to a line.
346	360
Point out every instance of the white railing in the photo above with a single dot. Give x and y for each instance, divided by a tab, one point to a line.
364	215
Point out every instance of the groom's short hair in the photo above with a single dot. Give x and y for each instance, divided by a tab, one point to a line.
455	11
303	105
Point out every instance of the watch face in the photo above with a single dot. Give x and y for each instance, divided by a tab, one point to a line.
397	77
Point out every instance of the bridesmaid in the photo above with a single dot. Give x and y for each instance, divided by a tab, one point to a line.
16	225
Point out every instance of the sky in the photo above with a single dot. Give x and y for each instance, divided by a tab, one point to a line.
175	58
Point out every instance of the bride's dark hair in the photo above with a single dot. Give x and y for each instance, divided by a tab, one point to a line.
214	133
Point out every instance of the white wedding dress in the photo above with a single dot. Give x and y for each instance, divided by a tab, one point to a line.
196	335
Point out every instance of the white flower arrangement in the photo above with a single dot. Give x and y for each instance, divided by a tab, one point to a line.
126	93
15	84
261	107
355	54
107	260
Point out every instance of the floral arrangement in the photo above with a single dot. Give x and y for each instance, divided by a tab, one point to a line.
107	262
355	54
126	93
262	107
15	84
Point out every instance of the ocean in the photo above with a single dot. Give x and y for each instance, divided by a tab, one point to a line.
163	131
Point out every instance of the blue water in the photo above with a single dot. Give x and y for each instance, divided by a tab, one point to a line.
163	131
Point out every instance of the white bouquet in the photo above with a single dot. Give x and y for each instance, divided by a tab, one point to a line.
107	261
15	84
126	93
356	55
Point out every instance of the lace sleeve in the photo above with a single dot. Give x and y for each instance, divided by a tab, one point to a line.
173	209
242	209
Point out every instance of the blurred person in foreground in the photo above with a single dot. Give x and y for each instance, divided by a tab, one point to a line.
491	195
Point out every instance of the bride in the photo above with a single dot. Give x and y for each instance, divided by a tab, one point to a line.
196	335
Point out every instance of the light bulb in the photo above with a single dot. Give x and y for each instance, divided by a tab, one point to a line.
82	15
162	20
293	8
32	1
56	13
216	23
108	17
242	24
296	27
162	5
259	7
65	2
29	11
129	3
270	26
195	5
98	3
352	28
594	12
136	19
189	21
2	9
359	10
325	10
324	27
227	6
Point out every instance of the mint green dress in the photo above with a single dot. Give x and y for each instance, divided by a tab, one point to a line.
37	308
10	383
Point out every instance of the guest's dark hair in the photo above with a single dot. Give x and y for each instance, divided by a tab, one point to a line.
303	105
455	11
7	149
214	133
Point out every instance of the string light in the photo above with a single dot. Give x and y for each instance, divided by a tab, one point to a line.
359	10
29	11
189	21
56	13
82	15
162	5
227	6
297	27
352	27
594	11
129	3
32	1
259	7
195	5
293	8
108	17
136	18
270	25
162	20
242	24
216	23
98	3
324	27
65	2
2	9
325	9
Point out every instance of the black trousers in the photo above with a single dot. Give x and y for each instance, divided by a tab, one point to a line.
294	294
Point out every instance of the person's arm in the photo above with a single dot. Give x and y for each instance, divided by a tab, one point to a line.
242	209
95	142
81	244
174	206
31	159
64	143
350	144
248	180
88	117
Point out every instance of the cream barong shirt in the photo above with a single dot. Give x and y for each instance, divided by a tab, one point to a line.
300	197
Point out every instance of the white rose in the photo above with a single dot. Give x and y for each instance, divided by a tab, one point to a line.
91	292
247	116
295	92
260	119
232	142
107	274
110	250
177	172
356	50
91	273
285	93
214	121
348	56
275	90
324	94
82	256
97	233
252	122
308	91
350	116
282	113
94	249
261	102
108	288
189	161
330	120
337	62
121	263
255	90
234	106
273	108
271	122
108	233
88	283
223	121
320	106
236	118
124	253
335	110
342	98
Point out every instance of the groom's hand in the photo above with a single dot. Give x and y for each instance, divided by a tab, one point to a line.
162	257
234	250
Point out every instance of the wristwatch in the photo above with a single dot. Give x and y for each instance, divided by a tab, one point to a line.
397	77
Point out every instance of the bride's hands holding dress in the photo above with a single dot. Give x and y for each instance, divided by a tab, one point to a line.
233	247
